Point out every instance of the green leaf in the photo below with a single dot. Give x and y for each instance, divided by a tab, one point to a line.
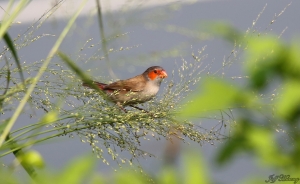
225	30
195	171
168	175
97	179
50	117
236	143
250	138
288	106
216	95
262	141
263	60
77	170
7	177
130	177
32	159
291	63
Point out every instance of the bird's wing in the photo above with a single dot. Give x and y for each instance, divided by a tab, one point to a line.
135	84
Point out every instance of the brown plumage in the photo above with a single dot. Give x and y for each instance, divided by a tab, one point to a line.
138	89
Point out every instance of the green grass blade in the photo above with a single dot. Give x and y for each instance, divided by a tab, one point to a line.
84	77
104	40
11	47
6	23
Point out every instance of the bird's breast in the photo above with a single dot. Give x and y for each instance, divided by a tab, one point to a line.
151	89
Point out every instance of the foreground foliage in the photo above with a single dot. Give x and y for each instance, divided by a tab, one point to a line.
265	122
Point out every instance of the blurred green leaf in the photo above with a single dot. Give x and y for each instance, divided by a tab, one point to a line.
216	95
77	170
97	179
130	177
32	158
235	144
225	30
291	62
6	176
268	58
262	60
288	105
250	138
195	170
168	175
262	141
50	117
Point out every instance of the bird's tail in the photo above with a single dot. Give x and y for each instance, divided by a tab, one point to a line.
99	84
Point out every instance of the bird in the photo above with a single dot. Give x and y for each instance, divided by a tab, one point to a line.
135	90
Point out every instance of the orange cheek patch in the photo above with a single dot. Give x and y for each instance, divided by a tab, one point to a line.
152	75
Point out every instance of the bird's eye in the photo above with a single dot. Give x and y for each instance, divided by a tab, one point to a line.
155	71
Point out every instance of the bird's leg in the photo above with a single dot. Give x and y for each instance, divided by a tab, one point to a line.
141	109
121	107
138	108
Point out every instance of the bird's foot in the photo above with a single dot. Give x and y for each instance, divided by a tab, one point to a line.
141	109
121	107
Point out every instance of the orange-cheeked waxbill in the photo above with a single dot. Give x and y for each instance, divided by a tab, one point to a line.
135	90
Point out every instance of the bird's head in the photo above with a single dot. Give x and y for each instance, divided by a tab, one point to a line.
155	73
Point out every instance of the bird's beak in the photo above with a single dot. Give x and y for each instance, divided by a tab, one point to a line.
163	74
